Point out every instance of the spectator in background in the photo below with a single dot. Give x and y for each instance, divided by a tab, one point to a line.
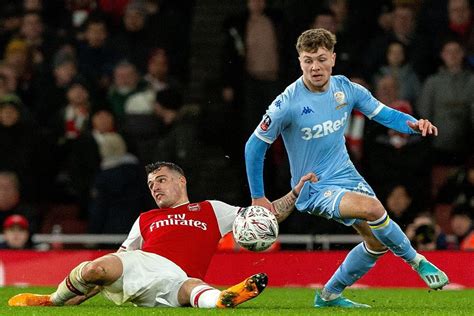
453	19
118	192
140	125
158	74
67	125
51	90
387	151
459	189
347	17
400	205
132	41
18	56
169	26
447	100
402	30
397	66
463	229
10	22
11	202
10	75
16	233
85	159
253	60
39	39
126	82
21	147
95	55
177	142
425	234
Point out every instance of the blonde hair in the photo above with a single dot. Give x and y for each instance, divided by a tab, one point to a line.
311	40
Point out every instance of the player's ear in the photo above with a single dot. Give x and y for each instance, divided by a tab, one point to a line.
333	59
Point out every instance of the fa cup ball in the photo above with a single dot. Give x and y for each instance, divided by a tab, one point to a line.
255	228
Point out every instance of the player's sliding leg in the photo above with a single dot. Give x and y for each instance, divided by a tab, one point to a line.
80	281
205	296
73	285
390	234
357	263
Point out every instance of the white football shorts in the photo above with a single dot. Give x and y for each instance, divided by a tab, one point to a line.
148	280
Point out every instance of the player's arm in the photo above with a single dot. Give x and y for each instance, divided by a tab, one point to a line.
391	118
134	239
283	207
255	150
82	298
402	122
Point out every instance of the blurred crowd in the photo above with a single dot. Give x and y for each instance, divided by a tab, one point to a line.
93	90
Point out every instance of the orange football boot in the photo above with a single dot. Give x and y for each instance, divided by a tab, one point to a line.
29	299
242	292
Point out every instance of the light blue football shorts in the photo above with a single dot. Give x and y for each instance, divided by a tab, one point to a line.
323	197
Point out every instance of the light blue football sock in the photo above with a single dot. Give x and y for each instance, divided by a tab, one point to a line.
356	264
391	235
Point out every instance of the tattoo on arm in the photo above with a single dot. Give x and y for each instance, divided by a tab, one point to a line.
284	206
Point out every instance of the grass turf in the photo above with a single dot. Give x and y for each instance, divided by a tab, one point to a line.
274	301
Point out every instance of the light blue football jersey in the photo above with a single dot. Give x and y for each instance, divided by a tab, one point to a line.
312	124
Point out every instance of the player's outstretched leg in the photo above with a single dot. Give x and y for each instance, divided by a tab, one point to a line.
340	301
390	234
435	278
29	299
242	292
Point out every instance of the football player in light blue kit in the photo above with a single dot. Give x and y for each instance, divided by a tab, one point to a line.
311	115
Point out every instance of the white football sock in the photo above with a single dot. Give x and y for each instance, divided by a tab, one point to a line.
73	285
416	261
328	296
204	296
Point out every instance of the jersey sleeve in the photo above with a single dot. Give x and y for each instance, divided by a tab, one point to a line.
364	101
276	118
379	112
225	215
134	239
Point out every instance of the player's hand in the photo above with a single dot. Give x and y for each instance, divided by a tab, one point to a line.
263	201
310	176
77	300
424	127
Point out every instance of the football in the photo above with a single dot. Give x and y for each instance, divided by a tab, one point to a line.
255	228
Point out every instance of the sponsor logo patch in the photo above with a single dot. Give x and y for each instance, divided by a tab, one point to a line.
307	110
194	207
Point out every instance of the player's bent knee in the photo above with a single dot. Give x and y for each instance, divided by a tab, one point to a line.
93	272
103	271
374	210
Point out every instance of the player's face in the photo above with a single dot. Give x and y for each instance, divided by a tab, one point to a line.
317	68
167	187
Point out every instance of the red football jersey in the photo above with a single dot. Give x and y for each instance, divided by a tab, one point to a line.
187	234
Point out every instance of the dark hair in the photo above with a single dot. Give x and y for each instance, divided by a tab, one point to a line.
152	167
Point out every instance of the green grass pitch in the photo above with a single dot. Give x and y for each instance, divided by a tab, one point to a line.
274	301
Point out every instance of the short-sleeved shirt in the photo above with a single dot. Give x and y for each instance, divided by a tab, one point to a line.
187	235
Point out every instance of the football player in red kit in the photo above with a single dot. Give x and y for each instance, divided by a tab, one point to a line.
166	254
